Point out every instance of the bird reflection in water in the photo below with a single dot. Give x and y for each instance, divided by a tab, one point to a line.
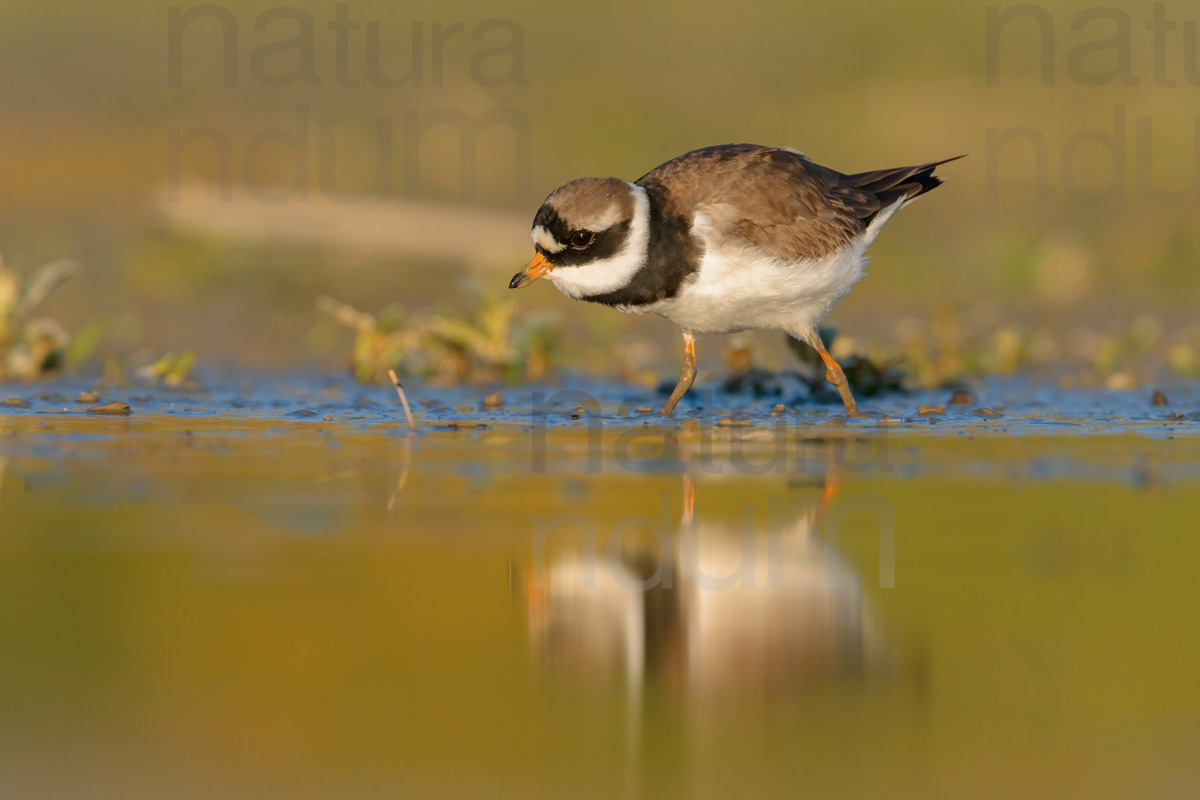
716	615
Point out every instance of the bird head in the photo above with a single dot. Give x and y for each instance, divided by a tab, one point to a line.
590	236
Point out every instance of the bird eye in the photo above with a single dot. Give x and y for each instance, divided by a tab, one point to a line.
581	239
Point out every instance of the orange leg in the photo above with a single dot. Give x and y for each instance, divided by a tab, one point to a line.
832	486
689	500
833	481
833	373
686	375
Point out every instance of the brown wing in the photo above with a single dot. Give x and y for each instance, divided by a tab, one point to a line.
778	200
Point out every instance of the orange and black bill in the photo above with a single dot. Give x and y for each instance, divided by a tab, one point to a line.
536	268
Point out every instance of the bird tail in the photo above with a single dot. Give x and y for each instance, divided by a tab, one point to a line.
899	183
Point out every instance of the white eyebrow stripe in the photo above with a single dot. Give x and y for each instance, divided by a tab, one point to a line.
542	238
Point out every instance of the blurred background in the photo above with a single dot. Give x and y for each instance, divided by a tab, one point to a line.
273	588
251	185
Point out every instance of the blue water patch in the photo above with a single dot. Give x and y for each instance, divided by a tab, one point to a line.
1024	405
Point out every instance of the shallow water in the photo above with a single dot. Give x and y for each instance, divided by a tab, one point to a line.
228	595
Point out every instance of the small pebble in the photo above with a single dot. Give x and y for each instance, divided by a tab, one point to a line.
493	400
1159	399
328	419
1176	417
928	410
88	397
779	408
987	412
960	398
15	402
730	422
579	410
644	409
114	409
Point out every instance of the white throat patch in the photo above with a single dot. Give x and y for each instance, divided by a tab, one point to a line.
615	272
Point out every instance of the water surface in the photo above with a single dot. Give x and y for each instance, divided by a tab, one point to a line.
222	597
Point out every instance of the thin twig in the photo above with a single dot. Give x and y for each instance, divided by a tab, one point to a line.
403	399
403	479
345	313
44	281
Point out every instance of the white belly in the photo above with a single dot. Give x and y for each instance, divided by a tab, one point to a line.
743	288
751	291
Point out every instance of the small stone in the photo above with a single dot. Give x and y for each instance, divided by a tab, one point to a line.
644	409
328	419
578	410
14	402
88	397
960	398
1159	399
1176	417
731	422
987	412
779	408
493	400
114	409
928	410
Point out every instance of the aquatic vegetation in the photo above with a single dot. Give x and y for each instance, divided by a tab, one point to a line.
950	349
489	342
173	369
31	346
492	342
381	341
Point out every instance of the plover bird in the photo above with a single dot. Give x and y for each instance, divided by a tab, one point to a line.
723	239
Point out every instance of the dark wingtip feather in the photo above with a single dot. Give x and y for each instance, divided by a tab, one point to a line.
900	183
